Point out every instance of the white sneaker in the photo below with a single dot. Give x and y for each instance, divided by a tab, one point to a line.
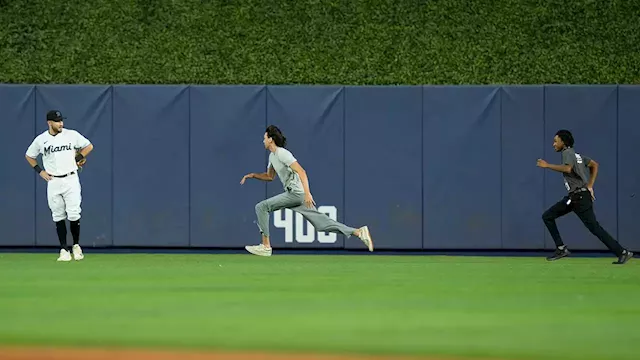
77	252
259	250
365	236
65	255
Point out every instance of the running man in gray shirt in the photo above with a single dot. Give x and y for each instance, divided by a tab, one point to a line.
579	185
296	195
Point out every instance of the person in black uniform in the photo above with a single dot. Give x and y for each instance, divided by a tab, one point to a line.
579	199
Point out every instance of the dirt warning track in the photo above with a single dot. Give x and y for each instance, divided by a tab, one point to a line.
45	353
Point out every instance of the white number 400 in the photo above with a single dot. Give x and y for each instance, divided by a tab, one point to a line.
303	236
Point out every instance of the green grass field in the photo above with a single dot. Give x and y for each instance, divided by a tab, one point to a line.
577	308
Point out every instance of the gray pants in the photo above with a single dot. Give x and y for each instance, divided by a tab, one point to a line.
295	201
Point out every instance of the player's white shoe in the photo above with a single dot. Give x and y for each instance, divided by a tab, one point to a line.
365	236
259	250
77	252
65	255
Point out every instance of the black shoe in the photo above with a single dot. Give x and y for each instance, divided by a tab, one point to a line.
623	258
559	254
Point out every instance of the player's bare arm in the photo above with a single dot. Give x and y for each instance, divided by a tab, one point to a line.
308	199
559	168
268	176
81	155
43	174
86	150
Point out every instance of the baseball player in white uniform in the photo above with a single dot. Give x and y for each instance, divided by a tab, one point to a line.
62	151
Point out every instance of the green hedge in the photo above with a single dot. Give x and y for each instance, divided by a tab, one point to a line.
320	42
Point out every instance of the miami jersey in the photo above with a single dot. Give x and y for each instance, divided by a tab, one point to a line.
59	151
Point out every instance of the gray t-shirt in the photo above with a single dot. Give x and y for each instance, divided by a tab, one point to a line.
579	175
281	161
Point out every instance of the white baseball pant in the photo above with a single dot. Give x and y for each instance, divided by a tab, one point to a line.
64	197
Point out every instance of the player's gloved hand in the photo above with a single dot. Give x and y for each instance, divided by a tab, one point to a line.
45	175
80	160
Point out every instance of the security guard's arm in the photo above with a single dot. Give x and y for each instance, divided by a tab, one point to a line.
559	168
593	168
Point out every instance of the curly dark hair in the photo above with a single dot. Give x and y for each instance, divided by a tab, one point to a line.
566	137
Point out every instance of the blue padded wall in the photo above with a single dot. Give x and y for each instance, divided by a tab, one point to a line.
227	124
151	165
522	135
383	165
628	176
17	208
462	167
426	167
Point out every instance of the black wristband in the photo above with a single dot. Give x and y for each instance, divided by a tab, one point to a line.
37	168
79	157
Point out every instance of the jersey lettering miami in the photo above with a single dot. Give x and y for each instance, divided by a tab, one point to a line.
59	151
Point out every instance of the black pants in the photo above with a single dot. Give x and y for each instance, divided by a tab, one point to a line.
582	204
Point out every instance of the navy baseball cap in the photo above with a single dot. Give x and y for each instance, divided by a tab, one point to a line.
55	115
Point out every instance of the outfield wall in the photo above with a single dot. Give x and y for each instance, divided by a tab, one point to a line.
426	167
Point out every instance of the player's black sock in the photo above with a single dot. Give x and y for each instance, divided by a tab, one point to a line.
61	228
75	231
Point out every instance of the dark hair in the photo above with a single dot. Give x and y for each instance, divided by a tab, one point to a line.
566	137
275	133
